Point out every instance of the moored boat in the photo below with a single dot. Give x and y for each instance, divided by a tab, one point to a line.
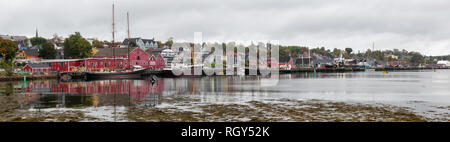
115	75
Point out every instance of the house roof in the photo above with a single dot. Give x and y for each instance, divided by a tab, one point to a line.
32	52
300	61
14	38
20	43
284	59
35	66
19	38
106	52
125	41
155	52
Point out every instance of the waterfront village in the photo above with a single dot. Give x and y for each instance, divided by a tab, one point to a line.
38	55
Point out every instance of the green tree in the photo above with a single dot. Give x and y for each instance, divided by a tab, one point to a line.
97	44
133	44
106	42
169	42
160	44
8	50
48	51
77	47
349	50
37	41
416	58
337	52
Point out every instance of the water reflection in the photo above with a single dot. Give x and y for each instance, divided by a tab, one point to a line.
55	94
393	88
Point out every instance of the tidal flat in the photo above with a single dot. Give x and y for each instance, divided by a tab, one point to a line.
189	109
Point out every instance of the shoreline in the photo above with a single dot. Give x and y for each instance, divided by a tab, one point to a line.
168	74
4	78
407	69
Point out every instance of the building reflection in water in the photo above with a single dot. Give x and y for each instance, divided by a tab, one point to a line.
55	94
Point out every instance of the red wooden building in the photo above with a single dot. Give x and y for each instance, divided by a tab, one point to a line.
286	63
157	63
104	60
63	65
37	68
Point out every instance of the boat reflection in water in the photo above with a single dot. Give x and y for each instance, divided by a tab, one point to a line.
54	94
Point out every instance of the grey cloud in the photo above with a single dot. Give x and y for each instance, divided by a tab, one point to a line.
419	25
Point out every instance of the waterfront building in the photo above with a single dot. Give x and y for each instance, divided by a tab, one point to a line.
302	62
398	63
62	65
160	57
138	57
105	60
37	68
21	55
286	63
31	54
443	62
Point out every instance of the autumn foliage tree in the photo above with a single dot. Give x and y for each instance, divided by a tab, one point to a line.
8	50
97	44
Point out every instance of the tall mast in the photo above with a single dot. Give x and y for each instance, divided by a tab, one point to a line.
129	40
373	46
309	57
113	42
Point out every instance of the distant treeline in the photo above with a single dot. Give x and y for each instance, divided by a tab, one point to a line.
414	58
441	57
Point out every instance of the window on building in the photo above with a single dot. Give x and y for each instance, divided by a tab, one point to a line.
138	58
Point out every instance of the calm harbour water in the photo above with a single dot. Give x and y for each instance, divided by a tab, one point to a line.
422	91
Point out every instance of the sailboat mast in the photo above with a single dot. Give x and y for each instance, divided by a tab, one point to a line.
373	46
129	40
113	40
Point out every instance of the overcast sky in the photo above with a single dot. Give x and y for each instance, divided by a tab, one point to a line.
417	25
